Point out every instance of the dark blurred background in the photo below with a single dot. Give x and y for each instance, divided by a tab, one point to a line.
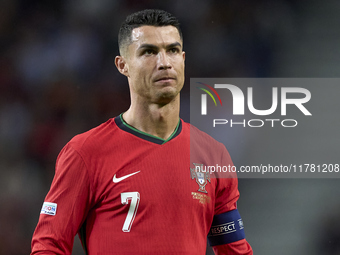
57	79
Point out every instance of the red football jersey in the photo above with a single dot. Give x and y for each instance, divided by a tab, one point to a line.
126	192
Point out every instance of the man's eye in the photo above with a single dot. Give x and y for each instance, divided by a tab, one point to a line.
174	50
149	52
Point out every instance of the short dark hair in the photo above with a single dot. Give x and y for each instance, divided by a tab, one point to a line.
148	17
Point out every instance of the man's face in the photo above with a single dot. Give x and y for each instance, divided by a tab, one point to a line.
155	63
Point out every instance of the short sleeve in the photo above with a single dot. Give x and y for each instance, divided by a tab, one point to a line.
70	194
226	192
227	195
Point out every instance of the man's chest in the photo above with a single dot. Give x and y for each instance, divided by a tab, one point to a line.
159	185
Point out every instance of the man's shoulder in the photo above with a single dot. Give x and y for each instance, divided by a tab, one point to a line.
95	137
204	149
201	137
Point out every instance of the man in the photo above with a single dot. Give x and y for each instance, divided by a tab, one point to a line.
130	186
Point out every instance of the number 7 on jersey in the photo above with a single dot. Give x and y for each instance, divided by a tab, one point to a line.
134	197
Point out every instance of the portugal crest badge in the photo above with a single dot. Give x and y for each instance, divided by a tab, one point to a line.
201	177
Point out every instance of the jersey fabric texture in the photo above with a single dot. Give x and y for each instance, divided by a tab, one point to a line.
126	192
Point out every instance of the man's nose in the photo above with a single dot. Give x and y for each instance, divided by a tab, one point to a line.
163	61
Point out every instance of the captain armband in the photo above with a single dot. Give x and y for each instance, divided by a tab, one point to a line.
226	228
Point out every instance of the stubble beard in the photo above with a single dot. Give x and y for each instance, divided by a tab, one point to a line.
166	95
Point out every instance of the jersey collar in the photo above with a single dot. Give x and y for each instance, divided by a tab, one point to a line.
154	139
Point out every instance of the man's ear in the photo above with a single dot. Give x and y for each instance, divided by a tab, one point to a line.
121	65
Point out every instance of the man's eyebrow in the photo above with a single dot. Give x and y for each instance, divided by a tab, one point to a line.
154	47
173	45
148	46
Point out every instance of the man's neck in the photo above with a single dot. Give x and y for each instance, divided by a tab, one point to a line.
154	119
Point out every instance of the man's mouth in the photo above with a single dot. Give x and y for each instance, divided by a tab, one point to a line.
165	79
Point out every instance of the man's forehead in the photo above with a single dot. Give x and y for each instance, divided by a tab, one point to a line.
153	34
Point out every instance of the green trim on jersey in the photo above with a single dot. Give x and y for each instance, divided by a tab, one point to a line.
149	135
